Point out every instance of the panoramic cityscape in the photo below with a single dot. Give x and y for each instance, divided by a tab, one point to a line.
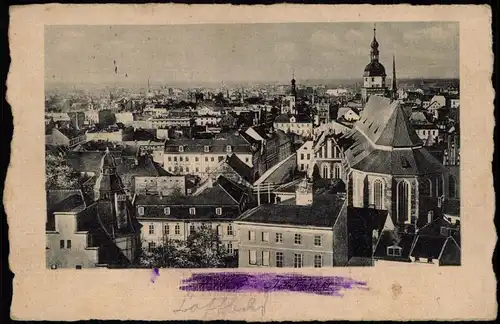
304	145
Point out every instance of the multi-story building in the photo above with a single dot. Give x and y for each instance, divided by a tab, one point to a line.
165	122
175	217
207	120
299	124
290	235
201	156
305	156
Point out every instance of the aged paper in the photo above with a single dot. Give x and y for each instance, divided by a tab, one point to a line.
395	292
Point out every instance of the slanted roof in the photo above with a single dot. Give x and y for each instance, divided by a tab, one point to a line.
240	167
322	213
390	238
280	172
384	142
428	246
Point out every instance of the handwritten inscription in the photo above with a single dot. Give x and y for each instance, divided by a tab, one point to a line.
269	282
221	305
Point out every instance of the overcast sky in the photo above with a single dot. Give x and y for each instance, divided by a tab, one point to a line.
247	52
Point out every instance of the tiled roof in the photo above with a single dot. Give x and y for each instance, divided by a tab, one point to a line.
363	155
322	213
64	200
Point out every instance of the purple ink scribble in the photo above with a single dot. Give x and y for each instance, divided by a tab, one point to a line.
269	282
155	274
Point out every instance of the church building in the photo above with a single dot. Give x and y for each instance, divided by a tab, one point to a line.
386	166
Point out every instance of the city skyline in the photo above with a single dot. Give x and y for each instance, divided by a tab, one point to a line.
246	52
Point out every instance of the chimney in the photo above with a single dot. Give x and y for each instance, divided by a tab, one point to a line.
304	193
258	195
430	216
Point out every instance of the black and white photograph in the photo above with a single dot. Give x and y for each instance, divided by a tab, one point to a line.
263	145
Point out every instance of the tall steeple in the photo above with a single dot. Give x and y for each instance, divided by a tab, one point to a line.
374	53
394	86
294	89
108	182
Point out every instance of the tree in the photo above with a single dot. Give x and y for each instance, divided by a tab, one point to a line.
58	174
202	249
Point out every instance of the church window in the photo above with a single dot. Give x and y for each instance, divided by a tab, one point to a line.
337	170
452	187
425	187
378	194
325	171
403	201
140	210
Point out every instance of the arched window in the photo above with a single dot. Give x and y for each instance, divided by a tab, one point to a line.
337	171
452	186
439	186
378	194
425	187
325	171
403	201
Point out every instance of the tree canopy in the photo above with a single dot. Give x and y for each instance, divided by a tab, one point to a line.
59	175
202	249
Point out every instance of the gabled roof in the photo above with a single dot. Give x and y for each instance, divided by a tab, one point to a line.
239	167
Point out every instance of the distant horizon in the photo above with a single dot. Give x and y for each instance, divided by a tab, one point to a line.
211	53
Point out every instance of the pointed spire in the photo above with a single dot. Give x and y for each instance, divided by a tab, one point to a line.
394	84
374	30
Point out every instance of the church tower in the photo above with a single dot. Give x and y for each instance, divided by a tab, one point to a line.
374	74
108	183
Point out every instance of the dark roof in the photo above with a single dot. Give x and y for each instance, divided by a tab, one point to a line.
240	167
70	132
361	222
374	69
64	200
86	161
390	238
219	144
434	228
322	213
428	246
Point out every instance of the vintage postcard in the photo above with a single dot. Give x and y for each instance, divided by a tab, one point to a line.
253	163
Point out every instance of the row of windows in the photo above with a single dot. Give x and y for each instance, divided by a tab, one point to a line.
279	238
298	259
166	211
192	229
220	158
206	148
